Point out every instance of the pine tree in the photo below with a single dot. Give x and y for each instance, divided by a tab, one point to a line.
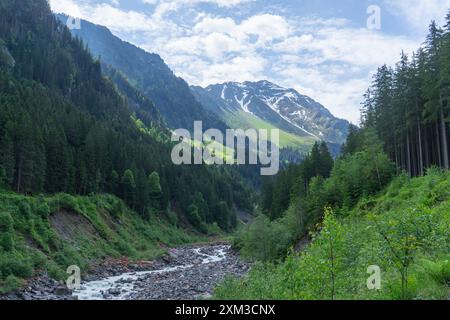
7	162
25	152
325	161
155	189
58	166
114	185
129	188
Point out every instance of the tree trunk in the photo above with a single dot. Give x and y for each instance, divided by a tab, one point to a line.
419	129
427	148
444	137
408	154
438	147
19	174
396	156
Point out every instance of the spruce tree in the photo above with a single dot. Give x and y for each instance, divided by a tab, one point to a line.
7	162
129	188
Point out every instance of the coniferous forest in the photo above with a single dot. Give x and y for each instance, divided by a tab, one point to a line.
408	105
384	201
65	127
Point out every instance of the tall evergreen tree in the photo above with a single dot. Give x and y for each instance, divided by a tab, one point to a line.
7	161
129	188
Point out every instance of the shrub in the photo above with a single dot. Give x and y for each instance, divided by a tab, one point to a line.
25	209
193	215
17	266
6	231
10	284
42	208
439	270
172	217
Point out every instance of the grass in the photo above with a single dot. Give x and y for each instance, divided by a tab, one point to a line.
246	121
404	230
37	233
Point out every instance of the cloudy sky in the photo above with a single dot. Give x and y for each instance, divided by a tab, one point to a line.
322	48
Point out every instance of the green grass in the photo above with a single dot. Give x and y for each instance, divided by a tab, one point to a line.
403	230
244	120
104	227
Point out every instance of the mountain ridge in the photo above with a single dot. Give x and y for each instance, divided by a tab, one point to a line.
148	73
283	107
261	104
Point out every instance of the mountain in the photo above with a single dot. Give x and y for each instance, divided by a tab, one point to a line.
283	108
66	127
149	74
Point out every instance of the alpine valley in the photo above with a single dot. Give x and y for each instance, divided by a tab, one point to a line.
93	205
259	105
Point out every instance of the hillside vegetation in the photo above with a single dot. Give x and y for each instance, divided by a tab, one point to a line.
365	211
52	233
65	127
404	230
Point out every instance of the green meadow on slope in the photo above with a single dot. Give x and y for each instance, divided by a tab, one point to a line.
246	121
405	230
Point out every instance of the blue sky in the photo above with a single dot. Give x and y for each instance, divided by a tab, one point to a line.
322	48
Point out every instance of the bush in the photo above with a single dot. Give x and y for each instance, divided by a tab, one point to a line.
193	216
42	208
267	240
25	209
403	230
10	284
357	175
6	231
172	217
17	266
439	270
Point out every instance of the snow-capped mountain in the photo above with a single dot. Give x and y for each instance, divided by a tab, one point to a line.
284	108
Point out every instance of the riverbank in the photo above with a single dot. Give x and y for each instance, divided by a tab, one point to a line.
185	273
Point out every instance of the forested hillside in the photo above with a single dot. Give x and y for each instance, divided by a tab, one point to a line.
68	137
321	224
403	230
409	105
148	73
65	128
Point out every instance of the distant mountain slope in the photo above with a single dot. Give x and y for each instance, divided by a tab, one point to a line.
148	73
284	108
64	128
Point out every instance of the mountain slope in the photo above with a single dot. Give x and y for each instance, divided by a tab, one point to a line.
148	73
403	230
64	127
284	108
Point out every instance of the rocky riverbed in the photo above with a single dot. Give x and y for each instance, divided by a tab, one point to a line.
185	273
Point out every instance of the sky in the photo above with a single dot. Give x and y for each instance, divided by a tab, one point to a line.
326	49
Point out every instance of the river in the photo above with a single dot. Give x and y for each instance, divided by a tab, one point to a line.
189	273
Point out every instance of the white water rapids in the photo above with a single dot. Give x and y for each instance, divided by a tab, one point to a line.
94	290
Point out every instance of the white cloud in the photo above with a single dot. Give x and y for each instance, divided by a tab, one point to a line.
210	24
66	6
332	63
294	44
329	59
220	3
266	27
360	47
419	13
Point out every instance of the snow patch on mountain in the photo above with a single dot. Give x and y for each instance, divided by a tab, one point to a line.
282	107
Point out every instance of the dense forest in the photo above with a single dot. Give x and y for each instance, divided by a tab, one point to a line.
148	73
65	127
409	105
385	201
